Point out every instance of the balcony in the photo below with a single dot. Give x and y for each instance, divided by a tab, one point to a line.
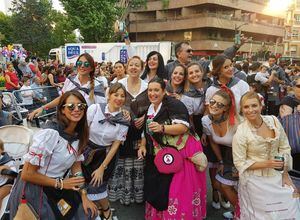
256	6
217	45
203	20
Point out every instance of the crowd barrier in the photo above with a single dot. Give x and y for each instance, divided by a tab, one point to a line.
20	103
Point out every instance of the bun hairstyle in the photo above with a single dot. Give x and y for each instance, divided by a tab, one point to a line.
160	81
91	61
217	65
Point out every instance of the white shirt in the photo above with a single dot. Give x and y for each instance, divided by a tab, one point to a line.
143	87
238	90
48	142
27	96
262	77
194	105
103	80
68	86
104	134
208	130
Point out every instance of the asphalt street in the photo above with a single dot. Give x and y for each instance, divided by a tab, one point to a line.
136	211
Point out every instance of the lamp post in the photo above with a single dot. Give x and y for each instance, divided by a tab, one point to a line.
237	33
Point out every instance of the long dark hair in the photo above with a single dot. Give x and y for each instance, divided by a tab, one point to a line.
91	61
82	127
217	64
161	66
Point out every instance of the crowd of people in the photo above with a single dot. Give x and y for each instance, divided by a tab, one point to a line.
148	132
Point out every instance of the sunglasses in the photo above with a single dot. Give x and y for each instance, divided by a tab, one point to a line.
212	102
189	50
72	106
298	86
85	64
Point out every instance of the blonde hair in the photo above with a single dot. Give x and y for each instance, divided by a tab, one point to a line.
247	96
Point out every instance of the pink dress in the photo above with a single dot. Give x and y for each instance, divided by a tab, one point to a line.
187	194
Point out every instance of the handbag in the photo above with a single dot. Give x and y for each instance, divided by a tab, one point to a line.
26	211
168	160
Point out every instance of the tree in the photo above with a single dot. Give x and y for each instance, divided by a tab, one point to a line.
32	26
94	18
5	29
62	30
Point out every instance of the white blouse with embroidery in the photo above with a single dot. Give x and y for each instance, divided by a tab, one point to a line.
104	134
48	142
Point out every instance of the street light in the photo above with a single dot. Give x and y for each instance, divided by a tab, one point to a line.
237	33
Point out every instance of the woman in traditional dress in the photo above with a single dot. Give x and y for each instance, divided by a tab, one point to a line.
127	182
180	195
53	153
108	130
220	125
84	82
262	155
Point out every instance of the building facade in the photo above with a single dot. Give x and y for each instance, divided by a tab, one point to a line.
209	25
292	35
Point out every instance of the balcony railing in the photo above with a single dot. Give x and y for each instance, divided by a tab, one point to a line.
203	15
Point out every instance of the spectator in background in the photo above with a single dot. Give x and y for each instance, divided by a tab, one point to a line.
38	92
5	117
26	71
27	95
184	54
274	94
11	78
101	78
61	78
119	71
154	67
239	73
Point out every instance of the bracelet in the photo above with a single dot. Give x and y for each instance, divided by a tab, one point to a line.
56	186
221	162
61	184
163	129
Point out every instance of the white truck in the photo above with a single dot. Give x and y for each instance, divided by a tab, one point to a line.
111	51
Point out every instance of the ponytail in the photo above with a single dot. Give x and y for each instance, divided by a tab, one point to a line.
92	87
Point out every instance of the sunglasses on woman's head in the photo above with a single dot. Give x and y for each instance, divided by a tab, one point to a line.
85	64
72	106
212	102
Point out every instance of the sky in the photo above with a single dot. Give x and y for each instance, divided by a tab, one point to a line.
4	4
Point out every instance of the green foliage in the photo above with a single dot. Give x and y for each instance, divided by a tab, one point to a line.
62	30
32	26
5	29
36	25
94	18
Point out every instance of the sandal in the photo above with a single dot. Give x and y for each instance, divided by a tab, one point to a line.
109	217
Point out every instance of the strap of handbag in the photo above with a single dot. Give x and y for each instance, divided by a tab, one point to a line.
23	197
